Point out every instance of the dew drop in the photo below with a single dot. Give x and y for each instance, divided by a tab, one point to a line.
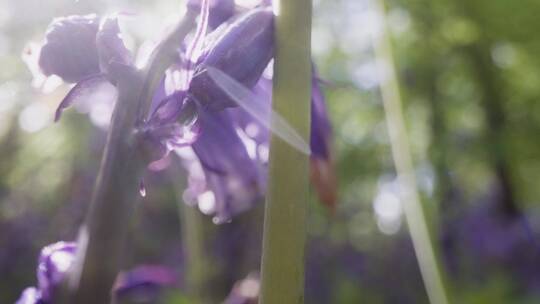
142	188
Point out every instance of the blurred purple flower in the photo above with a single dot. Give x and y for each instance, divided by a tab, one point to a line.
245	291
488	240
30	296
143	283
54	262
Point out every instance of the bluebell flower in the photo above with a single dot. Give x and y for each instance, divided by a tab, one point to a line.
224	147
83	50
54	262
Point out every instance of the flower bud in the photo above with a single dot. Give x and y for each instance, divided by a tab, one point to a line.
70	50
241	50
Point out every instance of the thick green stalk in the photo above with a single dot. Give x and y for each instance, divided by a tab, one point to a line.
282	274
101	240
414	213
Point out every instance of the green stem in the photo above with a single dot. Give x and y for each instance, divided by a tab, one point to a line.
102	238
198	263
282	274
414	212
197	232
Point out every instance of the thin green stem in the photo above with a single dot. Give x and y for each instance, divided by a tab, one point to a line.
197	230
102	238
282	274
414	213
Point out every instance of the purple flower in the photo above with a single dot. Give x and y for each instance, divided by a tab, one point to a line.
220	11
54	262
227	164
486	239
241	49
30	296
248	36
143	282
245	291
70	50
84	50
226	175
322	165
229	147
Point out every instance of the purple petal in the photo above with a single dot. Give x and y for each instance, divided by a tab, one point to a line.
253	128
225	178
29	296
241	50
262	113
70	50
323	174
54	262
160	139
93	89
220	11
195	46
320	124
111	48
144	275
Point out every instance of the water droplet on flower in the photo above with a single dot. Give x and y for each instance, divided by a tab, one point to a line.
142	189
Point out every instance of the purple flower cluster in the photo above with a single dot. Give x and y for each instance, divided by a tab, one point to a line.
224	148
484	239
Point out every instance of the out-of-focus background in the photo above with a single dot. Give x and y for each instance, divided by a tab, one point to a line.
469	72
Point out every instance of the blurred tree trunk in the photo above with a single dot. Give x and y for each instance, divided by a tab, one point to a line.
491	87
492	101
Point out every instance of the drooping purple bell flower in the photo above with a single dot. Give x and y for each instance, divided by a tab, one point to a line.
248	37
70	50
83	50
241	49
225	177
322	165
234	146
